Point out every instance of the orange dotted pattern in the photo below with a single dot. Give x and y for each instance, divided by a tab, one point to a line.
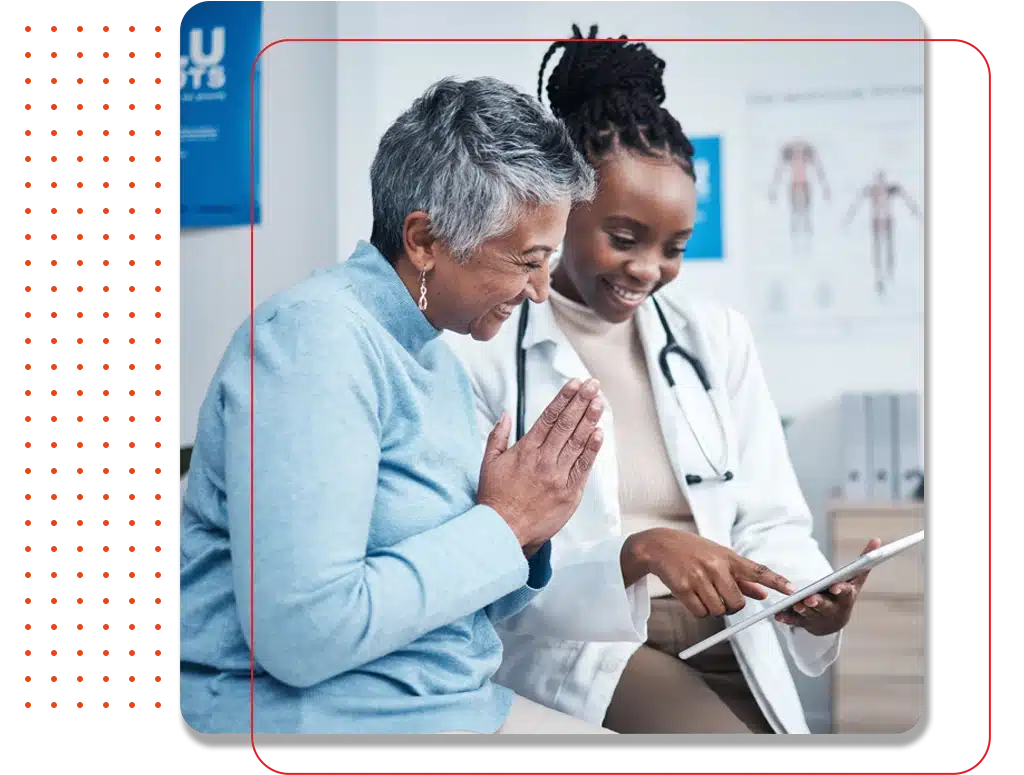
98	474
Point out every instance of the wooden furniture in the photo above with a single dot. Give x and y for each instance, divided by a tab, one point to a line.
878	682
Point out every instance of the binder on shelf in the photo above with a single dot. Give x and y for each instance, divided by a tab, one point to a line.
881	449
909	460
854	430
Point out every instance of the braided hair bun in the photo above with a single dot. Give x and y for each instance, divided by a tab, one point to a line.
608	90
594	72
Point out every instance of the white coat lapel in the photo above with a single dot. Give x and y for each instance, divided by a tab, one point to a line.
550	362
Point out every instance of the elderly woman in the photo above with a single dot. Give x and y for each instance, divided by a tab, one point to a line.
349	547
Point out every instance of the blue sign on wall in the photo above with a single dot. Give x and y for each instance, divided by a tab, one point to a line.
219	43
706	242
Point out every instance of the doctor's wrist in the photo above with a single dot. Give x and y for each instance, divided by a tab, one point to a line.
635	558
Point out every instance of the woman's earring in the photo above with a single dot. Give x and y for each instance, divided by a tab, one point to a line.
423	290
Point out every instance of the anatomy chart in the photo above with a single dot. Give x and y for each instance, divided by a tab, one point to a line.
835	188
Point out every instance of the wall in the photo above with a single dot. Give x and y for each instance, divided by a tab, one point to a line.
706	84
299	193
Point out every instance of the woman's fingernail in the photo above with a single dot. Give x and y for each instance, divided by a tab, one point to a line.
596	406
590	389
573	385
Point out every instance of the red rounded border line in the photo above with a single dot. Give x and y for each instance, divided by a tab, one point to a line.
252	298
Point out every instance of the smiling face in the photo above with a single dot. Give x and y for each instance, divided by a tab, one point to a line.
476	296
629	241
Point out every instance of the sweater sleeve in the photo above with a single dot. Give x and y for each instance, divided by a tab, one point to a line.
322	603
539	576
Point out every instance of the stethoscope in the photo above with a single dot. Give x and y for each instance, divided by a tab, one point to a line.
672	347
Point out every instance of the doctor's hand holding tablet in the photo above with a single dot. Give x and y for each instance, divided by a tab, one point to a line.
824	606
824	613
713	580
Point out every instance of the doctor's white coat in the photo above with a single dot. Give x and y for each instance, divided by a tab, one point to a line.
568	648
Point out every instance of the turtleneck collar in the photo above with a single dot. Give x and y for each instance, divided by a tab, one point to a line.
583	319
376	284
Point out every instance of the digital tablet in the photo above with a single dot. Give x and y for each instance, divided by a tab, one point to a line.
863	563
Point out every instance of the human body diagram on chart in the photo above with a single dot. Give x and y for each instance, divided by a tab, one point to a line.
833	241
800	166
796	159
881	193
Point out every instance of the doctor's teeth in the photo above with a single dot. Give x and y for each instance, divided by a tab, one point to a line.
624	294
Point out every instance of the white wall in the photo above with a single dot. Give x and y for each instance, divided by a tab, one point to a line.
299	200
706	85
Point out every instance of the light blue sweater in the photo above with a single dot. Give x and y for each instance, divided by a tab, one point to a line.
377	579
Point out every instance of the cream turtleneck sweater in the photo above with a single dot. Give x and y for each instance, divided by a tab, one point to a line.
649	493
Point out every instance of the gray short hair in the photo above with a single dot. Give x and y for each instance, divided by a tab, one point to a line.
475	156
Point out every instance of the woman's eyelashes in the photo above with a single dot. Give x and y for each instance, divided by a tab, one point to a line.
622	242
527	264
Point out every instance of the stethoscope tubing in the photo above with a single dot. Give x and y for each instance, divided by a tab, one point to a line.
671	347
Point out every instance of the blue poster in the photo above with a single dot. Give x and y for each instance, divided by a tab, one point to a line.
706	242
219	43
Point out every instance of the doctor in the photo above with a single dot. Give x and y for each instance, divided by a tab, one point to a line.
692	504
